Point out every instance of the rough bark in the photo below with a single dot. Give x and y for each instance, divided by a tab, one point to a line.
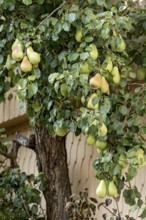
52	160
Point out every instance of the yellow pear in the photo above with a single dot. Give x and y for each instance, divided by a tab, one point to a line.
104	85
93	52
141	74
103	130
101	190
26	66
107	64
78	35
91	139
116	75
101	144
90	104
140	156
9	64
112	189
123	160
33	56
95	81
61	131
121	45
84	68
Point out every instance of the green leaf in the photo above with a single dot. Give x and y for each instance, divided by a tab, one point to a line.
31	78
132	172
143	214
27	2
32	89
40	2
52	77
36	106
123	110
73	56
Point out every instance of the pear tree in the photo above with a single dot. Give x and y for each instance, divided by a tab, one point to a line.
80	66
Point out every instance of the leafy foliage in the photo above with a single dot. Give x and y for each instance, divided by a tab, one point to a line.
57	92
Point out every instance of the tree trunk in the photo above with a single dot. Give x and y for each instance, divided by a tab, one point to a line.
52	160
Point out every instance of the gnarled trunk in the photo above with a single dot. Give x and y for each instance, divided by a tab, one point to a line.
52	160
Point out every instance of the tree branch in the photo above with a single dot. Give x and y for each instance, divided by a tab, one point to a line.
26	142
7	155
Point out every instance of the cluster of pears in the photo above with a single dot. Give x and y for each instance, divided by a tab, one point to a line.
114	70
100	144
28	61
99	82
118	44
105	188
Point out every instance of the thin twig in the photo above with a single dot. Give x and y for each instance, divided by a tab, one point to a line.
53	12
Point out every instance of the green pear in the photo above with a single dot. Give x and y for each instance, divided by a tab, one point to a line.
112	189
91	139
123	160
63	89
116	75
104	85
140	156
61	131
101	144
84	68
33	56
9	64
121	45
17	50
101	190
107	64
141	74
26	66
83	99
90	102
93	52
103	130
95	81
78	35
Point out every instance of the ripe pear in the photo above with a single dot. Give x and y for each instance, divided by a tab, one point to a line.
95	81
83	99
33	56
140	156
26	66
101	144
90	102
93	52
17	50
61	131
103	130
123	160
116	75
112	189
121	45
107	64
78	35
141	74
104	85
91	139
101	190
9	64
84	68
63	89
16	42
